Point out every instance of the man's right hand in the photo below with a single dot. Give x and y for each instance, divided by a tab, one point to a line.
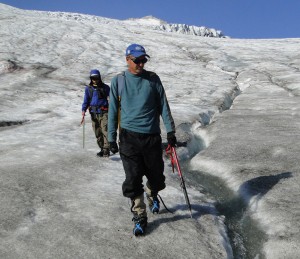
113	147
82	120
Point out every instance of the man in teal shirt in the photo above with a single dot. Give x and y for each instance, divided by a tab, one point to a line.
141	100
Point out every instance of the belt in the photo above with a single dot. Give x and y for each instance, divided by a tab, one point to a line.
103	109
138	134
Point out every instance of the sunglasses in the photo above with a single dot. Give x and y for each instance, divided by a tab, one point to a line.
94	78
139	60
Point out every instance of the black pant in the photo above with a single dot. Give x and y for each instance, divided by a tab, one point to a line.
141	155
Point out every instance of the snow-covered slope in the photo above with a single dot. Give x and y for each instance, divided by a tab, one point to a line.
236	107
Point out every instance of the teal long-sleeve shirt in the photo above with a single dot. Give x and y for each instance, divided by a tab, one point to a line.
143	101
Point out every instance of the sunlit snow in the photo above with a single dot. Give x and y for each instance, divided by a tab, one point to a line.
236	106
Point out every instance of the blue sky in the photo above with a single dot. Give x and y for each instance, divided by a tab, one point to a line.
235	18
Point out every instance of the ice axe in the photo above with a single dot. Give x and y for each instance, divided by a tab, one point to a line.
83	130
174	162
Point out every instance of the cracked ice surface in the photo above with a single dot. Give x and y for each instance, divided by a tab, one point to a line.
59	201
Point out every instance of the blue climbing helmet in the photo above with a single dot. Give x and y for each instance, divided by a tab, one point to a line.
95	73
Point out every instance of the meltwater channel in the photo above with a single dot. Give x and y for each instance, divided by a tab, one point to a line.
246	238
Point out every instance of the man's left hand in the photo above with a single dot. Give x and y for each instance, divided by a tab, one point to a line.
172	141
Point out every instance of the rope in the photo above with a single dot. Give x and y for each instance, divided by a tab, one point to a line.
164	204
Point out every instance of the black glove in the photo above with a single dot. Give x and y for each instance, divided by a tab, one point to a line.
113	147
172	141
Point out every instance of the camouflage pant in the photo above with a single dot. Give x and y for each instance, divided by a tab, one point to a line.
138	203
99	123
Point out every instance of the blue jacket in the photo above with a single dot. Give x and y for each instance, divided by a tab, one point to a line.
143	101
97	100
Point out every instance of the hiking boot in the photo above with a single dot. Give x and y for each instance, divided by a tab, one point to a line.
105	152
153	204
140	224
100	154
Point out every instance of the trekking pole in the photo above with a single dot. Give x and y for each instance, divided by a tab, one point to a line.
174	161
83	131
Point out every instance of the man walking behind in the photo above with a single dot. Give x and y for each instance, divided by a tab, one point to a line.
141	97
96	100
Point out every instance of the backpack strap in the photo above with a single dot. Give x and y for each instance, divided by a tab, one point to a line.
150	74
120	85
91	90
